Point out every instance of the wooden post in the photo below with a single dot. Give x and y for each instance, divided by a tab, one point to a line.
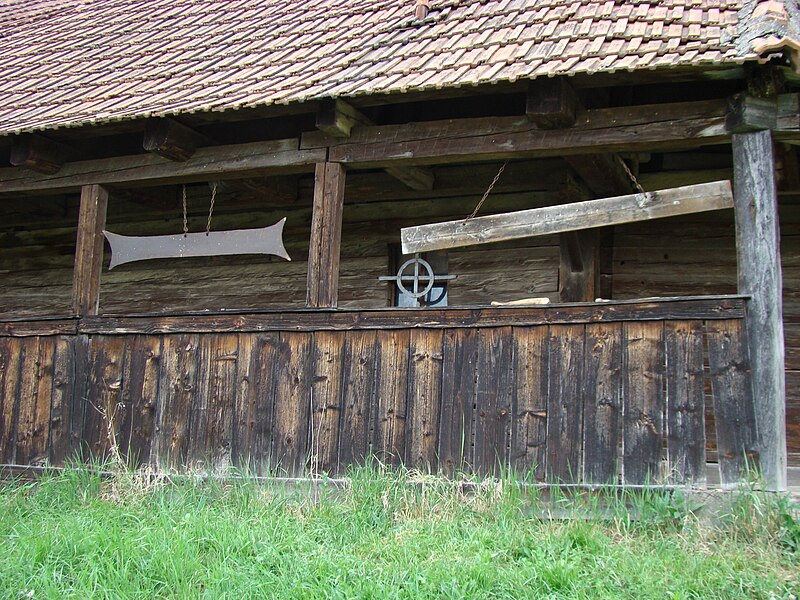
759	274
578	270
326	235
89	250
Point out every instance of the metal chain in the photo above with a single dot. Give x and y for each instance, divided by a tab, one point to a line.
185	218
488	191
632	177
211	206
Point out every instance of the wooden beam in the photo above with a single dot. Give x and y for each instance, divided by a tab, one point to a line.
747	113
759	274
648	128
170	139
552	103
89	250
337	119
567	217
235	161
326	236
38	154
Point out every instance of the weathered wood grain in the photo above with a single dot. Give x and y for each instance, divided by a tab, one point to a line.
199	405
177	385
759	274
326	411
143	368
89	250
568	217
643	403
531	357
734	407
26	401
60	443
656	309
102	414
222	400
564	403
391	396
493	400
424	394
267	357
239	160
358	379
292	403
43	398
326	236
11	359
602	407
459	363
685	402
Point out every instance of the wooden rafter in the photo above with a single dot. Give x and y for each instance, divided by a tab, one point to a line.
39	154
171	139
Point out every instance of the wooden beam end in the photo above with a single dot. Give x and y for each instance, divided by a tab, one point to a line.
552	103
748	113
38	154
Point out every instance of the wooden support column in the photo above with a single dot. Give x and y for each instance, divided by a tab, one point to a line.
759	273
326	235
89	250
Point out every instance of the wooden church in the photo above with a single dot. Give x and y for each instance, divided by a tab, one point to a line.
559	237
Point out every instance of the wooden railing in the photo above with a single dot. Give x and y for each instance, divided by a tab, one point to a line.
594	393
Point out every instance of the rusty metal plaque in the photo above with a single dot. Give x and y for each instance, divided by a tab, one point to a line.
265	240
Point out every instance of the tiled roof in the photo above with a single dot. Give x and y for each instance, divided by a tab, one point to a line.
73	62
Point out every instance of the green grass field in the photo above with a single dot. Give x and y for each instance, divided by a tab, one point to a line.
74	535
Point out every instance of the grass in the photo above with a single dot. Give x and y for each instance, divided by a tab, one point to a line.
74	535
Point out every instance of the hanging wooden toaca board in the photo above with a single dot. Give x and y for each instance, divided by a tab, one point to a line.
265	240
568	217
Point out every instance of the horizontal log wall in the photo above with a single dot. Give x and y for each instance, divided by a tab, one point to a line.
593	394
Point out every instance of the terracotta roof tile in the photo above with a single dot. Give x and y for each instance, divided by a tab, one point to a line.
66	63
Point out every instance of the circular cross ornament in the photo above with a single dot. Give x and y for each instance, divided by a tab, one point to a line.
416	277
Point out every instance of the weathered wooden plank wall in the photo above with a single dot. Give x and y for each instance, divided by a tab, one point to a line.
574	400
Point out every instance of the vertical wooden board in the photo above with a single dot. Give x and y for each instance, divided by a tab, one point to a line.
493	400
261	411
222	399
564	406
26	403
101	425
80	397
177	382
643	402
424	397
143	370
43	400
124	413
61	406
459	365
241	432
326	392
292	403
529	419
198	404
391	388
12	362
602	406
685	425
734	412
358	377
